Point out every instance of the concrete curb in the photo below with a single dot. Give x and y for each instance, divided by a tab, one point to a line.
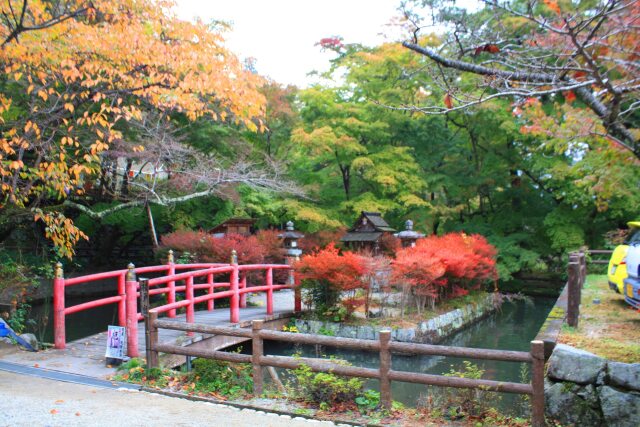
64	376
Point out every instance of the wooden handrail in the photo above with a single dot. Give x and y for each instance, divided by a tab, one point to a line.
383	346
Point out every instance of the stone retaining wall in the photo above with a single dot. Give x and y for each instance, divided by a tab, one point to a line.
583	389
428	332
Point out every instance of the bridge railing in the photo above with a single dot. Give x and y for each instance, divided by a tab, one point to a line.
383	346
128	292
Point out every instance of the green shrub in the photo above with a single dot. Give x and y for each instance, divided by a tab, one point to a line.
326	388
368	401
467	401
227	379
134	371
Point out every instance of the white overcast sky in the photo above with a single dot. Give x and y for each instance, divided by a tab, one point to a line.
282	34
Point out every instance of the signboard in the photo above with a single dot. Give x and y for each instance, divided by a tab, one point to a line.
116	342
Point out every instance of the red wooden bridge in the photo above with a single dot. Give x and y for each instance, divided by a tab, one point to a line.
197	282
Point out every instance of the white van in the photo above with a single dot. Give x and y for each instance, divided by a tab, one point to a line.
632	282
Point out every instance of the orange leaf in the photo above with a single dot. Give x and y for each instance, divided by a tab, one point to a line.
553	5
492	48
448	101
53	411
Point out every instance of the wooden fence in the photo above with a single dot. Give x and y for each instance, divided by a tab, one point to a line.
577	274
384	347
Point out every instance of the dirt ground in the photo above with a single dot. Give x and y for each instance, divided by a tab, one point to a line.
610	329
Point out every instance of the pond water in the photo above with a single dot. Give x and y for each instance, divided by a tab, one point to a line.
511	328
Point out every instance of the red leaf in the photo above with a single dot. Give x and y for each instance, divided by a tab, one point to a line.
448	101
569	96
491	48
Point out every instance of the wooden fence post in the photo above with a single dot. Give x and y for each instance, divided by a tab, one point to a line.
385	367
131	288
573	304
257	352
537	383
171	298
151	333
583	268
144	309
59	330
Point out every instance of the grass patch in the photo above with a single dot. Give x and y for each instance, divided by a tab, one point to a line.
610	329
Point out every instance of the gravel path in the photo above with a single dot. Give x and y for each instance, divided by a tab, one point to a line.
31	401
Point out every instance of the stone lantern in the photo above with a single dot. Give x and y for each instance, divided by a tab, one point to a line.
408	236
290	240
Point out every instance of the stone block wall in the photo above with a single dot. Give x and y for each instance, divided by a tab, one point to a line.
582	389
428	332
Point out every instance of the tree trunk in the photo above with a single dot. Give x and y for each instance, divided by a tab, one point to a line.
346	179
152	227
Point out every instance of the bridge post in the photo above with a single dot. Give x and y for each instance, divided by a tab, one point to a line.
234	300
243	285
189	297
212	289
171	298
257	351
58	308
131	288
270	291
122	304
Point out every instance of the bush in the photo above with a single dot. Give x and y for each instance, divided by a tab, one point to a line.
314	242
326	388
203	247
442	267
134	371
326	275
468	401
227	379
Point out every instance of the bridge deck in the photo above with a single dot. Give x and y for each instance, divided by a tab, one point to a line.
86	355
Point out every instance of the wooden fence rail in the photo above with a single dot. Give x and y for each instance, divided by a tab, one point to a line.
383	346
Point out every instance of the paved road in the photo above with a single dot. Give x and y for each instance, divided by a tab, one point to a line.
32	401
